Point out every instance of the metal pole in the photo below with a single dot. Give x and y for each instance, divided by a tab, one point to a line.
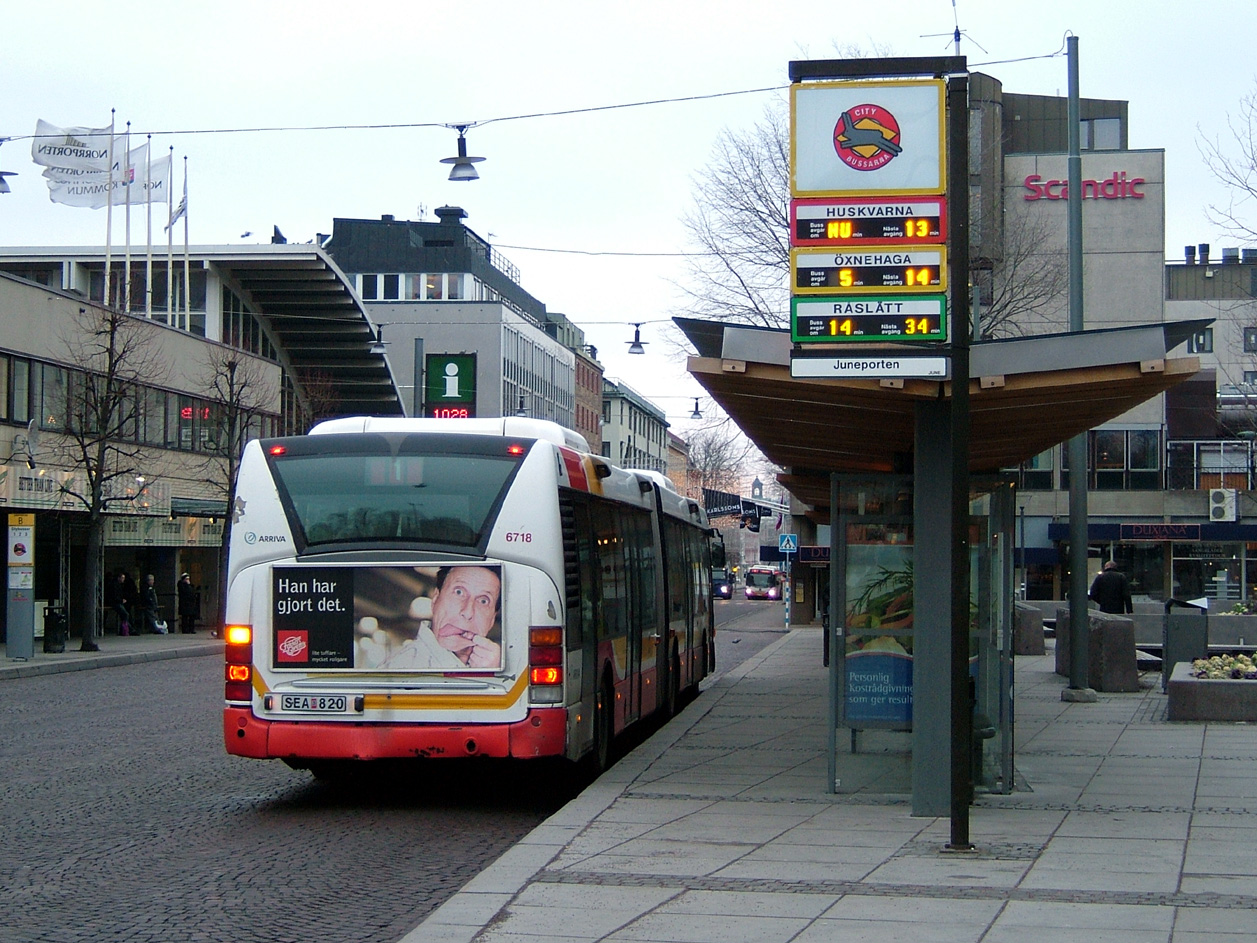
958	212
1079	619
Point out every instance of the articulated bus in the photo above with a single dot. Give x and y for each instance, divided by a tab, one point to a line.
456	588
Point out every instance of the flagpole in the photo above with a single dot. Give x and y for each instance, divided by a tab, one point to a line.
109	214
126	191
170	240
148	195
187	265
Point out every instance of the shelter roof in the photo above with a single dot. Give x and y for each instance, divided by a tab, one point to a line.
1026	394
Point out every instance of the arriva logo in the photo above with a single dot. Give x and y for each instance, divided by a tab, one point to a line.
250	537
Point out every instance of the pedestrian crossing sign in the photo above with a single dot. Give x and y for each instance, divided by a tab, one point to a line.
788	543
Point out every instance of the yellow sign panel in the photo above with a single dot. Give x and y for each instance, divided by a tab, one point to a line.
21	520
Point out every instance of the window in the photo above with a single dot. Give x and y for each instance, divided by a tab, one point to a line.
4	387
1201	342
1250	377
370	287
21	391
391	286
454	287
434	287
1100	134
1250	344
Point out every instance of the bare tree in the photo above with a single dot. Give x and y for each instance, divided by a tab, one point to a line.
1234	165
720	456
240	396
317	400
740	223
112	354
1021	290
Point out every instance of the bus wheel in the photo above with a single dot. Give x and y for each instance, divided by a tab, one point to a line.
604	728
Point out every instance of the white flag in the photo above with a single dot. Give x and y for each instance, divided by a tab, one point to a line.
143	184
127	183
76	148
182	209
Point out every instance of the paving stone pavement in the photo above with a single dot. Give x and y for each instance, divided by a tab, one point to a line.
1124	828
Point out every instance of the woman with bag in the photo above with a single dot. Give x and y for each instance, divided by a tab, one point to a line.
156	624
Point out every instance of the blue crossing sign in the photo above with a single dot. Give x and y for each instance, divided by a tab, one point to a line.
788	543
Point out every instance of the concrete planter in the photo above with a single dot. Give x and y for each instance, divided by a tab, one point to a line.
1111	661
1198	699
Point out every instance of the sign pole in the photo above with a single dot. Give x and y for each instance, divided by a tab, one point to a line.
961	700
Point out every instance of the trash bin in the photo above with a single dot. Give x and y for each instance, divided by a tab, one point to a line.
55	631
1184	636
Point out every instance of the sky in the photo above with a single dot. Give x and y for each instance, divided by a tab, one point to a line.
586	204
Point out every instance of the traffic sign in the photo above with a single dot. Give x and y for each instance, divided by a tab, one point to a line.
864	318
867	220
906	269
788	543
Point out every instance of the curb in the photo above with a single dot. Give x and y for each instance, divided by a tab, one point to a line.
107	660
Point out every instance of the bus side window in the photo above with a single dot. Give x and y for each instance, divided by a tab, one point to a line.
611	623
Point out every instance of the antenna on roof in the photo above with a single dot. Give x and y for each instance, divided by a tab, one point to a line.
957	33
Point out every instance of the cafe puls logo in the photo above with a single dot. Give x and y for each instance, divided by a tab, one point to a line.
866	137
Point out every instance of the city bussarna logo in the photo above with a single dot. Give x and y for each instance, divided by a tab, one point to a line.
866	137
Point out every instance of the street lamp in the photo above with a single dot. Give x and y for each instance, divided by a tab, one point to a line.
464	167
635	345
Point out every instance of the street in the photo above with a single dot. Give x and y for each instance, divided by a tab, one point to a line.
123	817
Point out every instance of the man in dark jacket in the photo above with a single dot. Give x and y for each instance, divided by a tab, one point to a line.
1111	591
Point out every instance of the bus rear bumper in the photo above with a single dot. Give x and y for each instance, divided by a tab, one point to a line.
542	733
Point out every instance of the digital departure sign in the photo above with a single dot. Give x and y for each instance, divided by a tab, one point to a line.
869	318
909	269
867	221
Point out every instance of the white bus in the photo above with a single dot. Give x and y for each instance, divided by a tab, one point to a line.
456	588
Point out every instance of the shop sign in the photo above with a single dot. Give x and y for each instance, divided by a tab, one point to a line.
1116	187
1159	532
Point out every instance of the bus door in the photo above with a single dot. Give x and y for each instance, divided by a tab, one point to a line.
631	530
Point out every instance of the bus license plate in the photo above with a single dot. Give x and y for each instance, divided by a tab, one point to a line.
313	703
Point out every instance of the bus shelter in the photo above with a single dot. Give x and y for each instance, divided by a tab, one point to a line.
870	459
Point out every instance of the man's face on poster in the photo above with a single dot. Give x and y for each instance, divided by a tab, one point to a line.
464	610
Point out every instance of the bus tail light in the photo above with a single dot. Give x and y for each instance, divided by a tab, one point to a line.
239	655
239	683
545	664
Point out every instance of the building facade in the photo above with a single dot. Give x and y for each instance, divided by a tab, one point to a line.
634	430
282	316
460	333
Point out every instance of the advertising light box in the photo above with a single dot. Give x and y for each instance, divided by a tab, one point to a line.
866	138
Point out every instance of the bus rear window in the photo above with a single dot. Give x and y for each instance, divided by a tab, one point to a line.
388	496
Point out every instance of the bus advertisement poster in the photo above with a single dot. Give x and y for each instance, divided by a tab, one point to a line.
879	637
388	618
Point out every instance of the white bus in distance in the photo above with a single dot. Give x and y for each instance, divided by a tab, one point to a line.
456	588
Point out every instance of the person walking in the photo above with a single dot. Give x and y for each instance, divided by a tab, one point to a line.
188	608
1111	591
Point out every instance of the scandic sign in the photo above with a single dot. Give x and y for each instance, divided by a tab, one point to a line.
1116	187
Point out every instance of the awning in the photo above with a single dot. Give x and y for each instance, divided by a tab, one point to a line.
197	507
1027	394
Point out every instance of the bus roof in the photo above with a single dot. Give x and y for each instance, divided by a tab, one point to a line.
506	426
